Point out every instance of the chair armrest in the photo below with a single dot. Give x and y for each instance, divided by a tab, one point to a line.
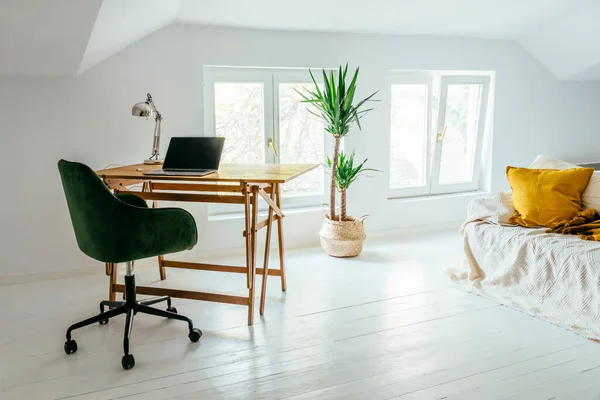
150	232
132	199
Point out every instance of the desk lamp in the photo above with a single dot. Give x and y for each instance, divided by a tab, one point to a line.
148	109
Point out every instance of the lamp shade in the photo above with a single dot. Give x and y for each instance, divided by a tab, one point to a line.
142	110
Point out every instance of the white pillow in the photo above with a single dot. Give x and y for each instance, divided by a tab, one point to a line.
591	196
545	162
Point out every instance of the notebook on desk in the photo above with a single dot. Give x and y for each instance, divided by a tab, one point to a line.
191	156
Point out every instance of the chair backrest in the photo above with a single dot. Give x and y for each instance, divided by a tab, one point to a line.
91	205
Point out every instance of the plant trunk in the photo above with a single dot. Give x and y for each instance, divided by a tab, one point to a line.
334	163
343	204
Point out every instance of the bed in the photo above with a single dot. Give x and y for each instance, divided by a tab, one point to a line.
551	276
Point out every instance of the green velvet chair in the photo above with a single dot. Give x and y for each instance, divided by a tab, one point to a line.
116	229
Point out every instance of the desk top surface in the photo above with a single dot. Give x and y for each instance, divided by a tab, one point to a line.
251	173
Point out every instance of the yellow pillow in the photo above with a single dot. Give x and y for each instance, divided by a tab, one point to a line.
546	197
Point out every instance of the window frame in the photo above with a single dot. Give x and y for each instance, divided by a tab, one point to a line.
270	78
433	146
413	78
474	184
227	75
298	76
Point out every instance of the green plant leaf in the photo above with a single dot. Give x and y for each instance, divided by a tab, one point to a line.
346	172
317	89
334	102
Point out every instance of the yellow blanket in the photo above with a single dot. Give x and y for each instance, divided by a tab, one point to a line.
586	224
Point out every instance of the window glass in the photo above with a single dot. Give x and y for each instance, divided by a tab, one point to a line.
239	117
461	124
408	136
301	140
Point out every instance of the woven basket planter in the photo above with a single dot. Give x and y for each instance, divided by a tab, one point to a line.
343	238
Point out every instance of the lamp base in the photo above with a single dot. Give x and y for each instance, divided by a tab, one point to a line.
151	161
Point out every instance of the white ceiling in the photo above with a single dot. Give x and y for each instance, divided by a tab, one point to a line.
67	37
507	19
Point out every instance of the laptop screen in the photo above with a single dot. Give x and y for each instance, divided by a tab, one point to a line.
194	153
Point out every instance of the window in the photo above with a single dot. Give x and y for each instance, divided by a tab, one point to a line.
262	117
437	123
239	116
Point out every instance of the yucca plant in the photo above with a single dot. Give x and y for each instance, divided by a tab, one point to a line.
334	104
345	175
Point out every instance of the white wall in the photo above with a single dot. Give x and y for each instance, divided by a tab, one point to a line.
88	119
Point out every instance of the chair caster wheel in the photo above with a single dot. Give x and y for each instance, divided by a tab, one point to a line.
103	322
70	346
172	309
195	335
127	362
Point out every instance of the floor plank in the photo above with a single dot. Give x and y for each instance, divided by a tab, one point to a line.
386	325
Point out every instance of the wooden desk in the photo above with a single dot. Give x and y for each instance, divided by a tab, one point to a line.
232	184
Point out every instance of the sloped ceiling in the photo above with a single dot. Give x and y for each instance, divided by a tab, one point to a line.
120	23
569	46
67	37
45	38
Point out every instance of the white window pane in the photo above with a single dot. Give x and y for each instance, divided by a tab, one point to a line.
239	117
459	145
408	136
300	140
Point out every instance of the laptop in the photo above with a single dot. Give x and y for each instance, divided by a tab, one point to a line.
191	156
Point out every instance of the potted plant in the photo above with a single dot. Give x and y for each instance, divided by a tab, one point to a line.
334	104
344	236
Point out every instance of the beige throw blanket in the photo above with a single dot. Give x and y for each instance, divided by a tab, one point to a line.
552	276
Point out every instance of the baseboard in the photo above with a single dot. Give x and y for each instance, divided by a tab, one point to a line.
226	253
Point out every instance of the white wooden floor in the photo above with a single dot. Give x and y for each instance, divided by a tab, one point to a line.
382	326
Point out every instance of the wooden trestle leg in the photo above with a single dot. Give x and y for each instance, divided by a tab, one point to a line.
277	190
253	256
111	270
265	274
161	267
247	238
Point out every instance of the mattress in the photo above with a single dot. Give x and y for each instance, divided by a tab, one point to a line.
551	276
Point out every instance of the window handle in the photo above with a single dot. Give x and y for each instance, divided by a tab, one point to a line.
441	136
272	147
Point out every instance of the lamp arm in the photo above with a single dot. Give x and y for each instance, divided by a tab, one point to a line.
157	121
156	141
150	101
